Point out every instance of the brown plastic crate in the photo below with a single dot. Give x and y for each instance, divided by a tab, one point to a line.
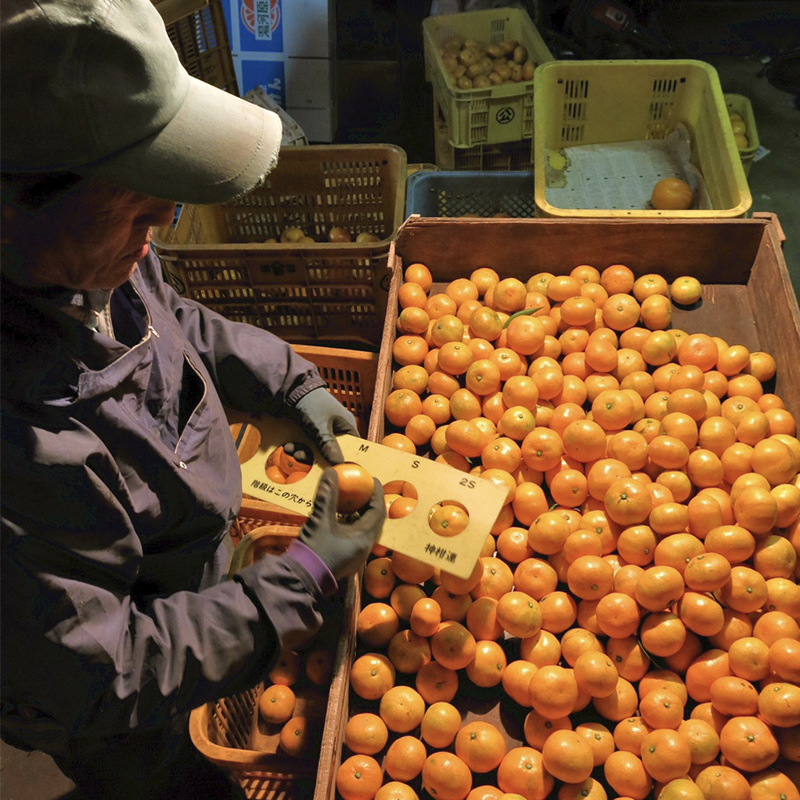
305	293
200	38
226	730
228	733
259	516
172	10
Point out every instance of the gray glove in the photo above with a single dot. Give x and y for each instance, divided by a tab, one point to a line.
323	418
343	546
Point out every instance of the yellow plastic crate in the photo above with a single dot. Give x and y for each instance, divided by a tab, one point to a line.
739	104
481	157
502	113
603	102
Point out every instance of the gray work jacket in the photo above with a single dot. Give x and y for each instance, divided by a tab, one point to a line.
119	481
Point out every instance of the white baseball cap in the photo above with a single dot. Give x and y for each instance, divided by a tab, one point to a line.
95	87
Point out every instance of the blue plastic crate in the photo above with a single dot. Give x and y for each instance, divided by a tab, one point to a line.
464	193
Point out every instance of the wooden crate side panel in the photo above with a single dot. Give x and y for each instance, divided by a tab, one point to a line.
747	294
724	311
384	366
777	318
523	247
337	713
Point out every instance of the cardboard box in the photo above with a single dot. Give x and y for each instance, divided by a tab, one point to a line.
309	83
318	123
287	48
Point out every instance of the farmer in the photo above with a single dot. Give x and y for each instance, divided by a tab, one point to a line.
120	477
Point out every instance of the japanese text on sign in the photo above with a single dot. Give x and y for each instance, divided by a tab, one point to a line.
440	552
290	496
263	22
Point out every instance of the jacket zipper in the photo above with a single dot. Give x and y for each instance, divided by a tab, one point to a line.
152	331
194	411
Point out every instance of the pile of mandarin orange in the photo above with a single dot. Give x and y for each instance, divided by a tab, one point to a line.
294	700
634	612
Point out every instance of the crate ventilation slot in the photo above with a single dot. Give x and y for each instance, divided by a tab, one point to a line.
574	111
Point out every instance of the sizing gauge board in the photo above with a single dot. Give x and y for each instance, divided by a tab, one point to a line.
258	437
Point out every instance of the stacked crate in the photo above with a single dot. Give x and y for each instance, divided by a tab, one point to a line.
741	105
488	127
230	257
199	34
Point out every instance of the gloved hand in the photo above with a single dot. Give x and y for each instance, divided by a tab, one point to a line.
323	418
343	546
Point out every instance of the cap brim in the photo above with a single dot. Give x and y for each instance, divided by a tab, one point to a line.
216	148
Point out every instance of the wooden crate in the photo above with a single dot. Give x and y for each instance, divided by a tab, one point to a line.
747	298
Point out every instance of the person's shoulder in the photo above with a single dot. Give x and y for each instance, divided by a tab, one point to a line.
150	269
29	338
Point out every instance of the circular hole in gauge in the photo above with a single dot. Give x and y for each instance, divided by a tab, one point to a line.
400	497
448	518
247	439
289	463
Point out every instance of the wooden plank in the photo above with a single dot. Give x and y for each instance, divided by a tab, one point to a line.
338	712
725	310
776	316
524	247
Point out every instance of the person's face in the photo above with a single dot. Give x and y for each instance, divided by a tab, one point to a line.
91	238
